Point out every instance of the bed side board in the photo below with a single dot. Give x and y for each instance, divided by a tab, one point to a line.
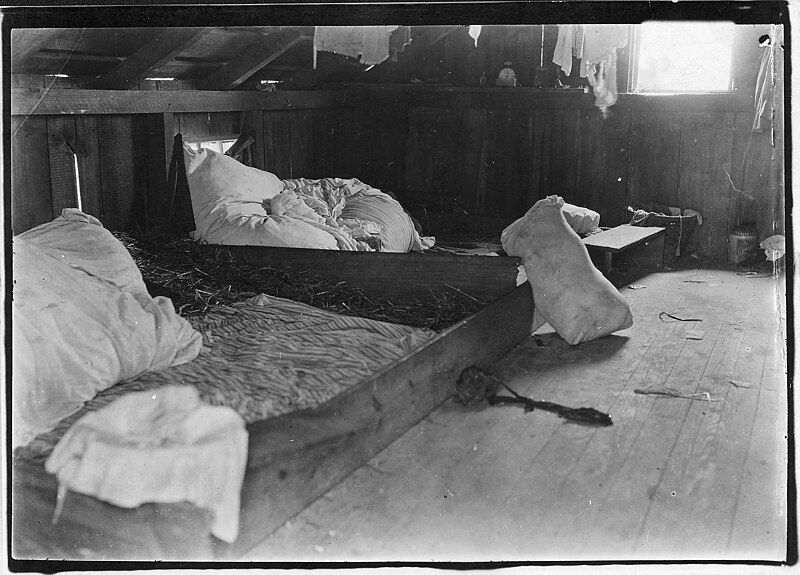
401	278
296	458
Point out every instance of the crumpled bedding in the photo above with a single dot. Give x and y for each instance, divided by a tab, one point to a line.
157	446
235	204
82	320
352	211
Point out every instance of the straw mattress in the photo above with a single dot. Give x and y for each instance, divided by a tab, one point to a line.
266	357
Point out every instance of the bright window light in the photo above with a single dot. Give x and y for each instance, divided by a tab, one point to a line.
77	180
220	146
684	57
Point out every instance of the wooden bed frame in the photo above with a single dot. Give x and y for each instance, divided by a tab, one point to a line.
296	458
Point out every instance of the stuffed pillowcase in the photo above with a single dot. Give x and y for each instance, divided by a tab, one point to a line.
568	290
227	201
82	320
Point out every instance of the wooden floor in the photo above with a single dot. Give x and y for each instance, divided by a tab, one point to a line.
672	479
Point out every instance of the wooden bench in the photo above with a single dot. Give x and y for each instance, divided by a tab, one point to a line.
625	238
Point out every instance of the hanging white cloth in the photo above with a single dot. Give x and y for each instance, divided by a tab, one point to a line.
562	56
765	85
599	63
475	33
369	44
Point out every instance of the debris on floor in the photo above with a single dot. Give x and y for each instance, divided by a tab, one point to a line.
694	334
738	383
664	314
669	392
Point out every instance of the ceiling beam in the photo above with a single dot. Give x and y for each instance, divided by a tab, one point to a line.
328	64
26	43
162	49
254	56
51	54
388	71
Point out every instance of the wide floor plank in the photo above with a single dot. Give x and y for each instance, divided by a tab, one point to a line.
675	478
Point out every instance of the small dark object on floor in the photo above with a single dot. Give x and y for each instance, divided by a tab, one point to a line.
676	318
473	385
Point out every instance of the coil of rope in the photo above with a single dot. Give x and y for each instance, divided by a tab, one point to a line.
474	385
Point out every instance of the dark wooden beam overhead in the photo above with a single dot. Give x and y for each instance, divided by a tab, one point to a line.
327	65
51	54
159	51
254	56
26	43
389	71
40	101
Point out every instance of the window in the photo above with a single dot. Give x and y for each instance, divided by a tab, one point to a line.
682	57
220	146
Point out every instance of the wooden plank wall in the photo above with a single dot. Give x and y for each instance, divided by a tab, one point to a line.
111	153
497	160
123	159
463	151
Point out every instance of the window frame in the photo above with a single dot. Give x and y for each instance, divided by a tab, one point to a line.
632	77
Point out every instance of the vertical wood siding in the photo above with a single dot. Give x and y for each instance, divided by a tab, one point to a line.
469	157
638	154
31	202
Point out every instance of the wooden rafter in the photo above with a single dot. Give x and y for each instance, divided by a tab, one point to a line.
327	65
389	71
157	52
26	43
254	57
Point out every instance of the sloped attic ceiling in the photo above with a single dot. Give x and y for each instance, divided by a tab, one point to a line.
201	58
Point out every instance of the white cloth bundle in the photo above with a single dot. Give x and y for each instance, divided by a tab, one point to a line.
774	247
159	446
568	290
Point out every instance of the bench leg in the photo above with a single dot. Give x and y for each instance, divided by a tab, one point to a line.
606	262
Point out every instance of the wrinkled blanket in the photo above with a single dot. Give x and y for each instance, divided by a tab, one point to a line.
351	211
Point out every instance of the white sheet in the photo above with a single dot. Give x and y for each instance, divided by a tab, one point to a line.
82	320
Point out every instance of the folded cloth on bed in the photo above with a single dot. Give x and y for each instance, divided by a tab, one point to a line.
158	446
82	320
397	231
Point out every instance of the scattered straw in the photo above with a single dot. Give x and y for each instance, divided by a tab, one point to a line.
198	278
669	392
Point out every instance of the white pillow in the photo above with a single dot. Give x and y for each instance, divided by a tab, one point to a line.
581	220
82	321
213	176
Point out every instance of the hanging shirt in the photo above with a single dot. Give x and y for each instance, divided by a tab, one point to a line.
599	64
369	44
562	56
764	90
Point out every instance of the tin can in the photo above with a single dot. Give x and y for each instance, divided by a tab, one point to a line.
742	243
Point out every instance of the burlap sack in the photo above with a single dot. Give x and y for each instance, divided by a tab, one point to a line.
568	290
